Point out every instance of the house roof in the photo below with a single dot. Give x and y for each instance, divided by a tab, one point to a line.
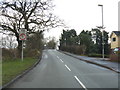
116	32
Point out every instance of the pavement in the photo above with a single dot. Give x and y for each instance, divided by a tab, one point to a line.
58	70
115	66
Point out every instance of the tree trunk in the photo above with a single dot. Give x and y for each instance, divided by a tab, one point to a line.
19	48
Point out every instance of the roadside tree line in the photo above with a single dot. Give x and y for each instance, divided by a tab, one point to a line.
85	43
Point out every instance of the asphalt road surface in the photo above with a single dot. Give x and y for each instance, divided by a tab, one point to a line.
57	70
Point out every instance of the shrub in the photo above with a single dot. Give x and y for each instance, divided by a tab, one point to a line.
98	55
78	50
8	53
32	53
73	49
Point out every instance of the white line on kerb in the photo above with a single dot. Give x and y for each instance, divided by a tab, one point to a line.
67	67
61	60
80	82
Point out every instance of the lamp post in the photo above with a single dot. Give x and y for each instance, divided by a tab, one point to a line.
102	27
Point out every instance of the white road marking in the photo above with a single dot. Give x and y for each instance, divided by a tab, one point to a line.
67	67
45	56
80	83
61	60
57	57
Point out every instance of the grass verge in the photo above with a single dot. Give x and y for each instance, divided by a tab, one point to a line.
12	68
0	73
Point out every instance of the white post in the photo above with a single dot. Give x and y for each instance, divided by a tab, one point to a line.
22	51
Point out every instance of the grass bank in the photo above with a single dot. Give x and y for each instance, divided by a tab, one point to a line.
12	68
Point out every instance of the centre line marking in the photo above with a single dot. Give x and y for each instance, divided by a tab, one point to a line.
61	60
67	67
57	57
80	83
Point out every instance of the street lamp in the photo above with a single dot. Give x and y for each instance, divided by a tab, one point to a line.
102	13
102	27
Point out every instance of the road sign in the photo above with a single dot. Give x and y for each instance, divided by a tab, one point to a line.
22	34
22	37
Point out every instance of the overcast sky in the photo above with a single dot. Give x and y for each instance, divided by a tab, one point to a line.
85	14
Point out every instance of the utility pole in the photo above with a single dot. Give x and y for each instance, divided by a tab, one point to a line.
22	52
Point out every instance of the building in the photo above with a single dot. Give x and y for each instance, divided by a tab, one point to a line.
115	40
115	46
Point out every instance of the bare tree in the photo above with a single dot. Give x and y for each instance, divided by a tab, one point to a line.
11	41
35	41
33	15
8	41
4	43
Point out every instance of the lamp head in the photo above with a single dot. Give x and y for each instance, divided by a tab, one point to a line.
100	5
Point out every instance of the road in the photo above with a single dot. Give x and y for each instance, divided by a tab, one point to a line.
57	70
